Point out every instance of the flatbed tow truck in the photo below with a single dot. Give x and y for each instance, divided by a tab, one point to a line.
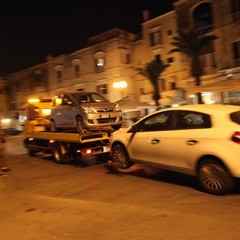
64	146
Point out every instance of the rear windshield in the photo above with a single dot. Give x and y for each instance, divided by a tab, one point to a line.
235	117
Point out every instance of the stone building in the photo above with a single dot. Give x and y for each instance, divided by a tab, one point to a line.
113	57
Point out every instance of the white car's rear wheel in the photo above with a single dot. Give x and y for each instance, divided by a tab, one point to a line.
214	177
119	155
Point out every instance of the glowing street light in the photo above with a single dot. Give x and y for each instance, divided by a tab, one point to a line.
121	85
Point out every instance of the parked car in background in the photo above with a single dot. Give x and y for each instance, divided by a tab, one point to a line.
12	131
84	111
201	140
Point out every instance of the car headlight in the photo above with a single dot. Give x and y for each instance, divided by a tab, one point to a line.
117	108
89	109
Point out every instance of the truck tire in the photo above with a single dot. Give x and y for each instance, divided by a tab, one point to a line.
60	153
31	152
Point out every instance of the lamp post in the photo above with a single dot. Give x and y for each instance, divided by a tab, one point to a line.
120	85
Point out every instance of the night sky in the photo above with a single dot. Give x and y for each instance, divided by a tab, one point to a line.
32	29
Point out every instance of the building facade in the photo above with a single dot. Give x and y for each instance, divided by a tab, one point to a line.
112	58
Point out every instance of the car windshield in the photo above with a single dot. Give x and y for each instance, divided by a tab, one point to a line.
89	98
235	117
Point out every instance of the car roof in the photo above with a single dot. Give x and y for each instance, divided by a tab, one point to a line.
77	92
207	108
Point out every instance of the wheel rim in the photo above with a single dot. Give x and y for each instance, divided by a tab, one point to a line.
213	177
56	155
120	157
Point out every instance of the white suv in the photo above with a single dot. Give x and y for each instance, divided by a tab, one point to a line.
201	140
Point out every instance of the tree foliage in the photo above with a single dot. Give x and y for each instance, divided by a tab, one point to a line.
152	71
192	43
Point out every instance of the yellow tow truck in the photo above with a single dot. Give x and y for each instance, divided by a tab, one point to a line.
64	146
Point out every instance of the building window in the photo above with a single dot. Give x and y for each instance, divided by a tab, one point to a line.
102	89
169	32
170	60
163	85
155	38
203	17
59	76
99	64
158	58
59	73
77	70
125	58
76	63
172	85
236	53
236	10
38	79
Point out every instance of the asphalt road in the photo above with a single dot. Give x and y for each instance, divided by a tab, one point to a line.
43	200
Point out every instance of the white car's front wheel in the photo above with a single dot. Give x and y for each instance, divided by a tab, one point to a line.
214	177
120	156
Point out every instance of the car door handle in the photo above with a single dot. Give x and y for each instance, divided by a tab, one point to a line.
192	142
155	141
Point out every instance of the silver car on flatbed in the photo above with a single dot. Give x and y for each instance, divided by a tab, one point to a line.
84	111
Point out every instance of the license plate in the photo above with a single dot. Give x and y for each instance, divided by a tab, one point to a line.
104	115
106	149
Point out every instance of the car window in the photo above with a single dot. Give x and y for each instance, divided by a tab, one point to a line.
98	98
89	98
84	98
192	120
156	122
235	117
66	100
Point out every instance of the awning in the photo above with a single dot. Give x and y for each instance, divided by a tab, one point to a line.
230	85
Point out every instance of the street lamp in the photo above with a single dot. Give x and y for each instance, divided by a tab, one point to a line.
121	85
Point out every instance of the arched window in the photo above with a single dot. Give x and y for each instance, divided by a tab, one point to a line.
59	73
202	16
99	61
76	67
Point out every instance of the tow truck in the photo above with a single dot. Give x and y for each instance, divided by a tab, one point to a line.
65	146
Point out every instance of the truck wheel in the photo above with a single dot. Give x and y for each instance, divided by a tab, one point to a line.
31	152
80	125
58	154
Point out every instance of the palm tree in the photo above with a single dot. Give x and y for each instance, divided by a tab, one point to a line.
152	72
192	43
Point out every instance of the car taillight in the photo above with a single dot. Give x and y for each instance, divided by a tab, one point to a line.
236	137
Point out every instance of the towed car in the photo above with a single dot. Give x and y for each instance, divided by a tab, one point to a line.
200	140
84	111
